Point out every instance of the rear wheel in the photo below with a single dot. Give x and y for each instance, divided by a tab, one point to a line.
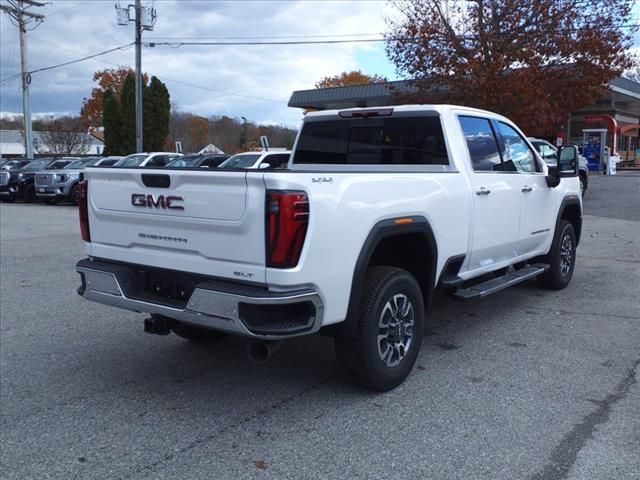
561	258
389	329
196	334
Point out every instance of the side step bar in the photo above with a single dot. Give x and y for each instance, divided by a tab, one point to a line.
496	284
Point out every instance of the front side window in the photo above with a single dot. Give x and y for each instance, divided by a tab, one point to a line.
518	152
373	141
482	144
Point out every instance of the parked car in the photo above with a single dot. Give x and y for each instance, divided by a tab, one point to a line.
108	161
148	160
197	161
14	164
269	159
19	183
379	208
56	185
549	154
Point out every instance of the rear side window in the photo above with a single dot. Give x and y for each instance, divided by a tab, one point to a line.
373	141
482	144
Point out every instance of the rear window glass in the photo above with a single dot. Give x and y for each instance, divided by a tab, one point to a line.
377	141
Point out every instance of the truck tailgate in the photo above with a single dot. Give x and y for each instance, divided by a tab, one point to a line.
208	222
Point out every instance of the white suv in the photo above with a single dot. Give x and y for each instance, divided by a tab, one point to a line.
269	159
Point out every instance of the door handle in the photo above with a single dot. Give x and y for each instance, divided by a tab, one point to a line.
526	189
483	191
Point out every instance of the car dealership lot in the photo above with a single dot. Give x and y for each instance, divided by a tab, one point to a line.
526	384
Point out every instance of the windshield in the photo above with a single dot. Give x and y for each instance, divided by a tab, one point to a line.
36	165
14	164
57	165
184	162
242	160
80	164
132	160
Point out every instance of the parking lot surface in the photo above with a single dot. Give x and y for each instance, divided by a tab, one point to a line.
526	384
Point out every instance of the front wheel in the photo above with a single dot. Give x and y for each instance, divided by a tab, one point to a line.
561	258
389	327
74	196
29	195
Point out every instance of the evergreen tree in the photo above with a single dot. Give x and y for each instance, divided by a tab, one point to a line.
157	110
112	124
128	115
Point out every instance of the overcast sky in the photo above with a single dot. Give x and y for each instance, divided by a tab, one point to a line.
251	81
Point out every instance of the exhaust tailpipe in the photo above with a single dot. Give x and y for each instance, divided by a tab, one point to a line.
260	352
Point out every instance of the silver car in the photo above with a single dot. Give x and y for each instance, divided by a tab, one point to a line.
61	185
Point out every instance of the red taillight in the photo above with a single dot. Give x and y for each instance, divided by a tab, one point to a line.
83	211
287	220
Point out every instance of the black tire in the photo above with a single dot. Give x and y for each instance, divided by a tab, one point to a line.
196	334
562	259
74	195
362	356
29	195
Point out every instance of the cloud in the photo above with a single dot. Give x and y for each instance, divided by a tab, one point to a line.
207	80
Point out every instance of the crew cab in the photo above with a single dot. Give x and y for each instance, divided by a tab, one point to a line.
378	208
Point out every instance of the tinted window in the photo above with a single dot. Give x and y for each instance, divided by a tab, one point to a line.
482	144
276	161
518	152
158	161
375	141
241	161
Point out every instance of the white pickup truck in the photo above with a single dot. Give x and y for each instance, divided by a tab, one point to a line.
379	208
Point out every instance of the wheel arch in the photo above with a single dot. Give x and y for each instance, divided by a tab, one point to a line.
409	244
570	210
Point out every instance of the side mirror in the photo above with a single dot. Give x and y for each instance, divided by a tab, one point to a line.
568	159
264	166
566	166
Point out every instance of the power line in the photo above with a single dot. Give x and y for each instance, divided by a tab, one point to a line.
64	64
226	92
287	42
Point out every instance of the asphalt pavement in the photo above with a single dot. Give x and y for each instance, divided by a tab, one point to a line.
527	384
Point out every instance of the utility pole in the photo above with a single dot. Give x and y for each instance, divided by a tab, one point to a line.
20	16
144	19
245	132
139	119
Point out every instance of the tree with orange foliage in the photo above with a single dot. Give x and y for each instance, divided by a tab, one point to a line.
534	61
355	77
109	78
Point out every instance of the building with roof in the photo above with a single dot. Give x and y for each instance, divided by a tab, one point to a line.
618	110
12	143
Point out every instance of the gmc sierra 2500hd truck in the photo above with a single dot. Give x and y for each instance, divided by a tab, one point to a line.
379	208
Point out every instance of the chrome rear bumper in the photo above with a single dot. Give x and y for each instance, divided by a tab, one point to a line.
216	305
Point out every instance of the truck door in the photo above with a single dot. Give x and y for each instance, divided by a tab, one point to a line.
537	203
496	197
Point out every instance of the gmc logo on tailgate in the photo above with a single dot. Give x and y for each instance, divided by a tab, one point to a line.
161	201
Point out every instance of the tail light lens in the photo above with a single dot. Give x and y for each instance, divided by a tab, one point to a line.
83	211
287	220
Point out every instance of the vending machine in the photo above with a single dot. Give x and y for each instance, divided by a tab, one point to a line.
593	142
